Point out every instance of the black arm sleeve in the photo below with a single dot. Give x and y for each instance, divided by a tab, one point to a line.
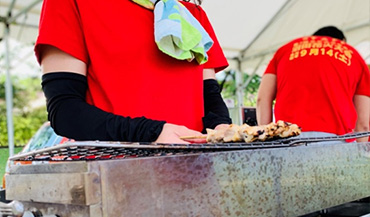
215	110
72	117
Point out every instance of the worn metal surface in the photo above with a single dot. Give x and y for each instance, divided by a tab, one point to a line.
263	182
74	183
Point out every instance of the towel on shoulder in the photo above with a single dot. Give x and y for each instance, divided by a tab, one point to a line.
177	32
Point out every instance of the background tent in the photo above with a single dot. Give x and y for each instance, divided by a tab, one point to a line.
20	21
287	20
249	31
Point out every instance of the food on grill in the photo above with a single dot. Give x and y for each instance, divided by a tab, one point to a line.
285	129
229	134
246	133
232	133
216	136
253	133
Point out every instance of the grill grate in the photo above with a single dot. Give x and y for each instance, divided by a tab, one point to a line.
102	152
73	151
95	150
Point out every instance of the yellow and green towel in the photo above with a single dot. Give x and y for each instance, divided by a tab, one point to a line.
177	32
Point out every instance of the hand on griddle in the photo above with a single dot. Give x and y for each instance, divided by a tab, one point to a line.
171	133
222	126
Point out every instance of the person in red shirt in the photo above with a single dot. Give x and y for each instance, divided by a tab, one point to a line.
320	83
105	78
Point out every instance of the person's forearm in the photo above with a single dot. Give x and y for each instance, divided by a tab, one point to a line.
72	117
264	112
363	139
362	105
215	110
265	98
362	128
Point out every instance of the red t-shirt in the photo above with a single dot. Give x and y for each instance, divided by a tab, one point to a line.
127	74
317	78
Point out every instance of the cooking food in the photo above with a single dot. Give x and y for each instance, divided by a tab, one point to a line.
246	133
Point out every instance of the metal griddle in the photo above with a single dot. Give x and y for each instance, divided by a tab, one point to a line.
282	178
74	151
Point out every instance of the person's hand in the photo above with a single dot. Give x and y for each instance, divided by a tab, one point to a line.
222	126
171	134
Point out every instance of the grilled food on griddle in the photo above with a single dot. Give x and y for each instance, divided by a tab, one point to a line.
246	133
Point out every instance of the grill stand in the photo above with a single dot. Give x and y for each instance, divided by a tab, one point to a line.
288	181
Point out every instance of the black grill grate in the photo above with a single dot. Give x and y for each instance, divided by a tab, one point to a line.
73	151
95	150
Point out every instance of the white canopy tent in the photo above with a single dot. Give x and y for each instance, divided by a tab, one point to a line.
292	19
249	31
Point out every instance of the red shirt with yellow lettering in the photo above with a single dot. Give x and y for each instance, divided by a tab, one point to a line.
317	78
127	74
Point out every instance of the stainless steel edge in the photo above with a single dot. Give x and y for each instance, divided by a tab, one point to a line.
259	182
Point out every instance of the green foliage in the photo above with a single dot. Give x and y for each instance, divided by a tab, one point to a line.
26	118
4	155
250	92
26	126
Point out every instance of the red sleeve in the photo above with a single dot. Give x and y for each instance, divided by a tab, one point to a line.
279	54
216	57
60	26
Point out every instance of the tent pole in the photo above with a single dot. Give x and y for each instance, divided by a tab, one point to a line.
23	11
239	91
245	85
8	83
8	93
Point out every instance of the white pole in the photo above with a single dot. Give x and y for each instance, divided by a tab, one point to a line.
8	83
8	93
239	93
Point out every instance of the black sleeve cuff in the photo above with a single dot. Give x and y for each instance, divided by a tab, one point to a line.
215	110
72	117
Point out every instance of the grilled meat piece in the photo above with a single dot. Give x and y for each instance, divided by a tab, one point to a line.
253	133
232	134
246	133
286	129
215	136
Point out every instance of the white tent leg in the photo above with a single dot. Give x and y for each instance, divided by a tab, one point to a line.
8	82
8	93
245	85
239	94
